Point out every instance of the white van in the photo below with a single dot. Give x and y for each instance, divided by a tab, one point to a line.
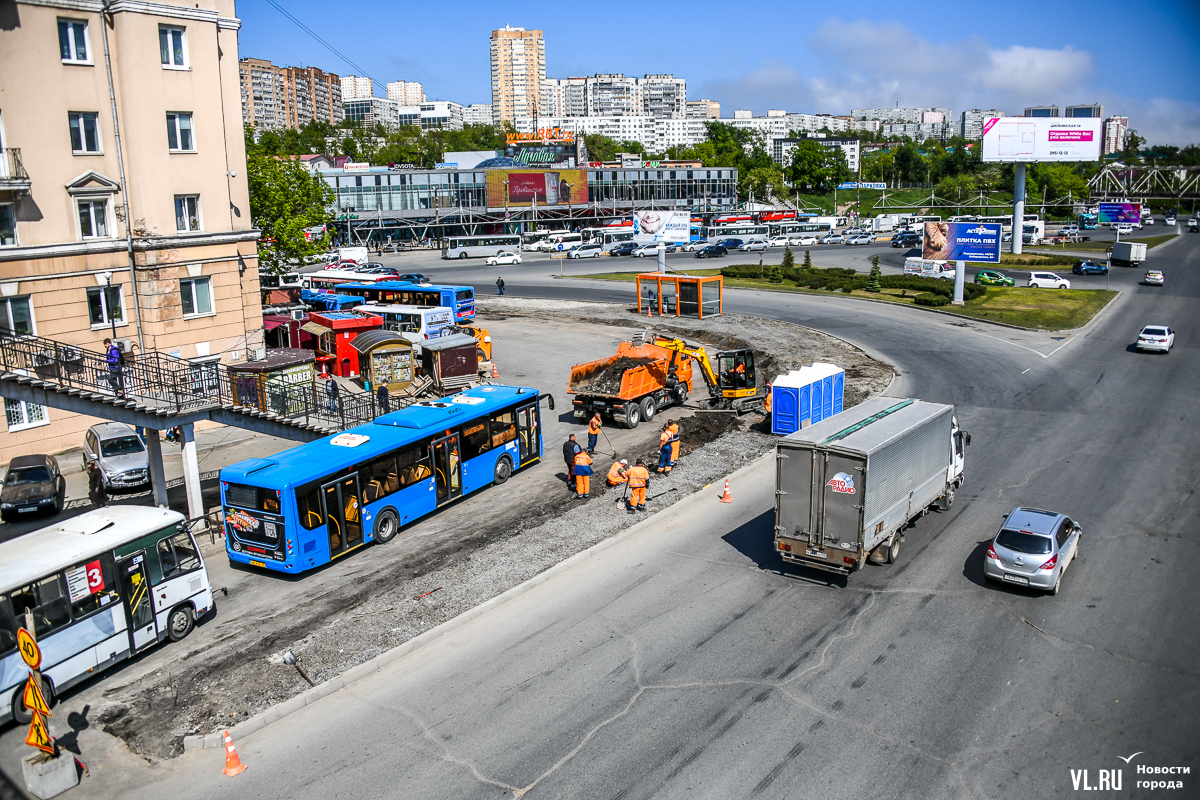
569	241
358	255
926	268
415	323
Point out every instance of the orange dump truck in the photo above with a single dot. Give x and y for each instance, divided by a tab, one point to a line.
631	385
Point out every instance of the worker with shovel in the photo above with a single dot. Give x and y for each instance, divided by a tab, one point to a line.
639	480
583	475
593	433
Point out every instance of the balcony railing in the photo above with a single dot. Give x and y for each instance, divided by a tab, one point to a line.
12	170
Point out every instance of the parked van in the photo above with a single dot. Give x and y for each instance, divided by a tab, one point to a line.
927	268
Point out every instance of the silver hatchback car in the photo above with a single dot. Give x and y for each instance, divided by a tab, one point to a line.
119	453
1033	548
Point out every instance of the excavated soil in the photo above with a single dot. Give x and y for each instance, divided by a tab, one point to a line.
608	380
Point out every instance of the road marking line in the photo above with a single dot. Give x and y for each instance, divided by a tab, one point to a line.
1023	347
1026	370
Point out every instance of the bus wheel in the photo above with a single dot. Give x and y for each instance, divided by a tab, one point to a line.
21	714
503	470
386	526
180	623
462	256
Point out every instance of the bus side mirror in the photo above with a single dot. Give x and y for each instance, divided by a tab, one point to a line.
966	439
550	401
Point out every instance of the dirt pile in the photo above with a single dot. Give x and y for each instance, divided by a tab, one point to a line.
608	380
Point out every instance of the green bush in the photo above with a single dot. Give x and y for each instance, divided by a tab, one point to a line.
930	299
807	260
789	260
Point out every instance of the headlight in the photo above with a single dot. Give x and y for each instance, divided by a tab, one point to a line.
6	506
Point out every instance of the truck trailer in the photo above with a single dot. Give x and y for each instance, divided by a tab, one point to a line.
847	487
1128	254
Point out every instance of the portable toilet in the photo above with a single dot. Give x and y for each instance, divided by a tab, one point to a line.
828	390
791	401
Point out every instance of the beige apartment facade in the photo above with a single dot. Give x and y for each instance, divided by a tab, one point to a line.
518	59
191	287
288	97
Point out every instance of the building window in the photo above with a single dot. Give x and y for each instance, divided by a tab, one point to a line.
179	132
21	415
187	212
16	316
196	295
8	225
73	41
106	306
93	219
172	45
85	131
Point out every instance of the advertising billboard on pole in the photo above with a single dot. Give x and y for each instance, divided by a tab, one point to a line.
1029	139
519	188
962	241
661	226
1110	213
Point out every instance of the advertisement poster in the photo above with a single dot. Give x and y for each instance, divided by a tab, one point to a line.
1012	139
661	226
962	241
1110	213
520	188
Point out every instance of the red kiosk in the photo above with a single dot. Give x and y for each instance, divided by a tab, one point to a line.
335	330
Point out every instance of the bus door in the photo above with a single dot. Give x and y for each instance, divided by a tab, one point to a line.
447	468
139	608
343	516
528	433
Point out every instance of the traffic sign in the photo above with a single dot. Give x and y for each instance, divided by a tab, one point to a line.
560	246
39	735
33	698
29	649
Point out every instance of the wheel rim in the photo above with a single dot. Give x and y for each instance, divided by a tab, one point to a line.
388	529
179	622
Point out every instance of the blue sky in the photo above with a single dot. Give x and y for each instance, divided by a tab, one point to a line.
1139	60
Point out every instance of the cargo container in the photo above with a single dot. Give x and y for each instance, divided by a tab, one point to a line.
1128	254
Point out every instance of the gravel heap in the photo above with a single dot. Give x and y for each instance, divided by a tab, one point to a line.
608	380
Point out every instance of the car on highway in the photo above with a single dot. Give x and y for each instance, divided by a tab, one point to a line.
805	240
1170	220
731	244
780	241
711	251
383	271
1089	268
1047	280
1006	237
1156	337
1148	220
1154	277
752	247
651	250
906	240
1123	228
33	484
347	265
861	238
1033	548
1068	230
991	277
587	251
623	248
414	277
120	454
1193	225
502	258
696	245
832	238
848	232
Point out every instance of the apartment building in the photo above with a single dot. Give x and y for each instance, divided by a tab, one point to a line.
702	109
478	114
1116	134
903	116
663	96
1094	110
149	231
518	62
406	93
444	114
372	111
971	125
287	97
919	131
564	97
781	149
356	88
1041	111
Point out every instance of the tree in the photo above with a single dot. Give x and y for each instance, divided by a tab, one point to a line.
808	259
789	260
285	200
873	278
806	168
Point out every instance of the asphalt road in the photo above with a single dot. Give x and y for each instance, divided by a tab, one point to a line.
689	661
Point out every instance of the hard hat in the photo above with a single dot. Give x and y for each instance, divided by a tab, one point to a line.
624	461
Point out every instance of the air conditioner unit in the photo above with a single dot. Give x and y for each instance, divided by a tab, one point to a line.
124	345
299	314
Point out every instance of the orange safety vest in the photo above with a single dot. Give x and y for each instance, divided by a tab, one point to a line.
582	458
594	426
663	439
615	475
767	403
638	476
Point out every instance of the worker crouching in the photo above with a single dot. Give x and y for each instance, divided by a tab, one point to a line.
639	481
618	473
583	475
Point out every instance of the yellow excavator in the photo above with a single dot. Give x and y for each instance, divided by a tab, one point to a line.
733	384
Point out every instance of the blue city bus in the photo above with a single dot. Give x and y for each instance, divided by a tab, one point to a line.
1087	222
304	507
460	298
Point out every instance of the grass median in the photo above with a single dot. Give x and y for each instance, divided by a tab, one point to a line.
1103	247
1037	309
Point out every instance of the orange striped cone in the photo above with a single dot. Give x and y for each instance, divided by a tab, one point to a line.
495	370
233	764
726	497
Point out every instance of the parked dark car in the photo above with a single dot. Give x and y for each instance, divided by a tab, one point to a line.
383	271
907	240
414	277
624	249
33	484
1089	268
712	251
731	244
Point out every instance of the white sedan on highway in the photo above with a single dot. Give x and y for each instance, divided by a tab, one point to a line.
804	241
1047	280
862	238
749	247
502	259
781	241
1156	337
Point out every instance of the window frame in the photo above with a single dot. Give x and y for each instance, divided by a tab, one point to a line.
25	408
110	229
6	320
107	318
199	215
173	127
192	293
178	571
82	115
16	240
183	46
87	41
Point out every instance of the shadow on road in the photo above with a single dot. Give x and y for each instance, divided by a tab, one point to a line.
756	541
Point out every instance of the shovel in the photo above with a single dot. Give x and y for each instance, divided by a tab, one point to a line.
610	444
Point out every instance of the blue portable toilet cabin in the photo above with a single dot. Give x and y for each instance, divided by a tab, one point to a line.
806	396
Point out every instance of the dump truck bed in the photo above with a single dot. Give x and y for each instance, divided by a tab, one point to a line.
631	373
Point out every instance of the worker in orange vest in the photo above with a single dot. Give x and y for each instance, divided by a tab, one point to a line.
593	433
618	473
639	480
673	429
767	402
664	451
583	475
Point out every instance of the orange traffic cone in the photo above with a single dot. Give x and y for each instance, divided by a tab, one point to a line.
233	764
495	370
726	497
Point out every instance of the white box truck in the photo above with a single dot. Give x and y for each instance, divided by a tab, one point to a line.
1128	254
847	487
358	255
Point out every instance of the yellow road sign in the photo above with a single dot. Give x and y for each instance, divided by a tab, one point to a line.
29	649
33	698
39	735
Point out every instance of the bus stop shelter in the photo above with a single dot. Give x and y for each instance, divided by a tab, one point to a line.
682	295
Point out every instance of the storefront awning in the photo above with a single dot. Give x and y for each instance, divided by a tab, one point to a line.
315	329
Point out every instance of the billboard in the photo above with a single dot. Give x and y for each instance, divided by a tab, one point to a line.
661	226
520	188
542	155
1110	213
862	185
962	241
1014	139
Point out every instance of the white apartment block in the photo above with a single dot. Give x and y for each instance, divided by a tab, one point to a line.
477	114
1116	134
564	97
613	95
354	87
443	114
919	131
902	116
406	93
371	111
518	66
971	124
781	149
702	109
616	95
663	96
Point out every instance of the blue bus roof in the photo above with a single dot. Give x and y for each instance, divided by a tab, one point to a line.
401	285
308	462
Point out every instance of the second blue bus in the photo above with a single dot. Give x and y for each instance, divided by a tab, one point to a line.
459	298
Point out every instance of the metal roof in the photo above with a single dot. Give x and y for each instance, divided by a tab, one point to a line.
869	426
448	342
368	339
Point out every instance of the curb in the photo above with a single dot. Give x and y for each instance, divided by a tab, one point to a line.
368	668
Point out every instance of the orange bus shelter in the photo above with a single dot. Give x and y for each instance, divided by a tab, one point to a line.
681	295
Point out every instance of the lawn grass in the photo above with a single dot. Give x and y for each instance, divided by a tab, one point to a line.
1047	309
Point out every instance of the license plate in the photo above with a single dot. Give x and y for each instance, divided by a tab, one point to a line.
257	563
816	554
1016	579
26	509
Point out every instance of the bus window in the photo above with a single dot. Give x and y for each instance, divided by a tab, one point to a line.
379	478
475	440
413	461
177	555
504	427
8	628
308	506
252	497
94	583
47	599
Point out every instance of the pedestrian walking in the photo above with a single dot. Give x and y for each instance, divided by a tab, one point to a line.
593	433
673	429
618	473
97	493
499	285
379	250
583	475
381	395
664	451
115	360
639	481
331	390
570	448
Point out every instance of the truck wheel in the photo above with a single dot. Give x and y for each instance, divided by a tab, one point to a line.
893	551
633	415
681	394
649	408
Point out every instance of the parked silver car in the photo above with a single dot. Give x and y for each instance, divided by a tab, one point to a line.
1033	548
120	454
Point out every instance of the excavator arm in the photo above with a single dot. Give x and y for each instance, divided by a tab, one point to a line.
699	354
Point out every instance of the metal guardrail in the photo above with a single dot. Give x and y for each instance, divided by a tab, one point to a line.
11	166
